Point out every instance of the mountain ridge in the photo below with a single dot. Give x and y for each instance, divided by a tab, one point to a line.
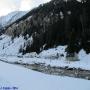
11	17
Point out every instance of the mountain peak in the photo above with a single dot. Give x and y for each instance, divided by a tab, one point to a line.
11	17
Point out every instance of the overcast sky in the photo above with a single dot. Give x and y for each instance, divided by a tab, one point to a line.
7	6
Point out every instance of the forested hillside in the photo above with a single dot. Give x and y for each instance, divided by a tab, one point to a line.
58	22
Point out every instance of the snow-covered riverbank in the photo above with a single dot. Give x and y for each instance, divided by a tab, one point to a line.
9	51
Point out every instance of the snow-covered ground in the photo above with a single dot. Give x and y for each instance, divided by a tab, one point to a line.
9	51
26	79
9	46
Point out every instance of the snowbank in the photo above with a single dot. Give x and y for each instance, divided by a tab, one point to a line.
25	79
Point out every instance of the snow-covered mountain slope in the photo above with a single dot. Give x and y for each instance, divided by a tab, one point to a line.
48	33
11	17
9	46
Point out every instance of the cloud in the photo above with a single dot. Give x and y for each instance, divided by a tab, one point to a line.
29	4
7	6
25	5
